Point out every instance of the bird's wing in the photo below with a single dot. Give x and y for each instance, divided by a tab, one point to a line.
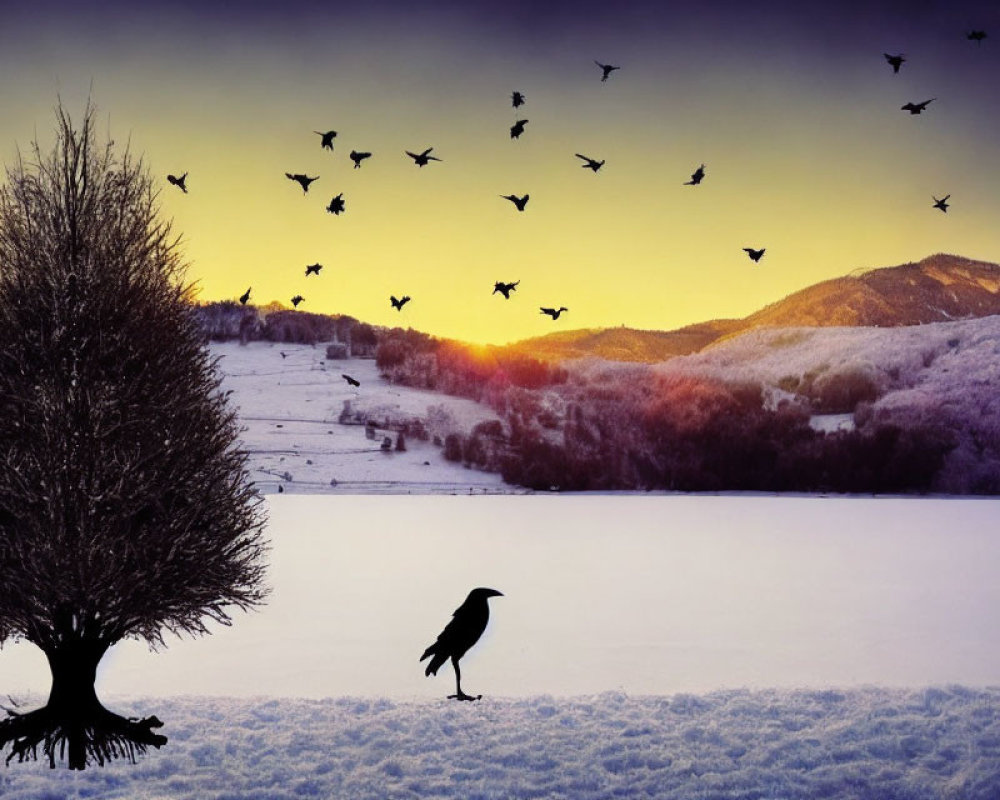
411	155
426	151
582	156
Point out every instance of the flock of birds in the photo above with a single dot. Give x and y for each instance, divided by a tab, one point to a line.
337	204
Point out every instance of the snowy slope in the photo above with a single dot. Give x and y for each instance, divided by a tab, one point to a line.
290	406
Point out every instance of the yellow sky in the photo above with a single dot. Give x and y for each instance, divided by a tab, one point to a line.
827	177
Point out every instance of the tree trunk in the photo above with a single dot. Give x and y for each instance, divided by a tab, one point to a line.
73	724
73	703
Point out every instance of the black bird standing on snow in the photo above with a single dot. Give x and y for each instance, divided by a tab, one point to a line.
301	180
942	203
398	304
357	157
554	312
895	61
295	302
351	381
245	296
606	69
422	159
336	204
917	108
518	128
328	137
520	202
517	99
505	288
178	182
755	255
313	269
591	163
696	177
466	626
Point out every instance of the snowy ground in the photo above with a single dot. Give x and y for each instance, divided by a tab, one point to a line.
860	744
290	405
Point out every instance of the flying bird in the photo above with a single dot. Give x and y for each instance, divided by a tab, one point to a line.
301	180
696	177
916	108
976	36
466	626
313	269
606	69
755	255
295	302
517	99
398	304
895	61
520	202
245	296
351	381
518	128
178	182
590	162
554	312
328	137
336	205
357	157
942	203
422	159
505	288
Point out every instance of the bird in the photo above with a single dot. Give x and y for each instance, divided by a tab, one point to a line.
505	288
591	163
606	69
336	205
520	202
301	180
895	61
916	108
357	157
351	381
462	632
696	177
398	304
518	128
554	312
422	159
295	302
178	182
517	99
755	255
313	269
976	36
328	138
942	203
245	296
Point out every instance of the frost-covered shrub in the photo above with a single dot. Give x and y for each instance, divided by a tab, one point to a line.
841	389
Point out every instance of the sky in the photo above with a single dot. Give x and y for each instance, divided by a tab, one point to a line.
790	106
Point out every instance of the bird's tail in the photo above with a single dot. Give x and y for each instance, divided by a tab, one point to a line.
436	662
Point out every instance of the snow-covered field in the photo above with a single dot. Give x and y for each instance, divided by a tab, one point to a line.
290	397
858	744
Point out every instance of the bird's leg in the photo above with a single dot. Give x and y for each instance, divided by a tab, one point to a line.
459	694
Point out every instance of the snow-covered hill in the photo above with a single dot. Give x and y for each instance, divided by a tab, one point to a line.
290	399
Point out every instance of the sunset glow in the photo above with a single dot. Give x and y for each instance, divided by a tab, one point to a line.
794	112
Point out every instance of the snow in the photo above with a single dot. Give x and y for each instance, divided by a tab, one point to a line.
290	407
940	742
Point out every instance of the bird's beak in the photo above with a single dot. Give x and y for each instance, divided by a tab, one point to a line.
495	593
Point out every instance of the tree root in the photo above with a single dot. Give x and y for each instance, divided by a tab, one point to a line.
99	736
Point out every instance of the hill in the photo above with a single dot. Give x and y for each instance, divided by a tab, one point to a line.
939	288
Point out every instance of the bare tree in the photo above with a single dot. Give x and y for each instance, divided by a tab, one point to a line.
126	509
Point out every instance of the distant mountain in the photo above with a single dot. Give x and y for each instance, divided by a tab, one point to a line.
939	288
